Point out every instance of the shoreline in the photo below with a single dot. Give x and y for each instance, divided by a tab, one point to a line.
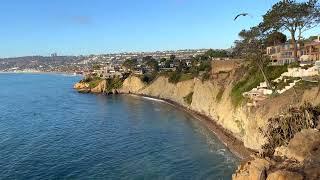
234	145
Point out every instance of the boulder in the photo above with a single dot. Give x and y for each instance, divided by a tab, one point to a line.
284	175
304	144
312	173
253	170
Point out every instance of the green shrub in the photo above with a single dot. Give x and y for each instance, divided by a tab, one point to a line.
92	81
148	78
188	98
174	77
185	77
220	94
294	65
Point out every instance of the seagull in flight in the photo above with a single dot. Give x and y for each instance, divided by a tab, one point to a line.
242	14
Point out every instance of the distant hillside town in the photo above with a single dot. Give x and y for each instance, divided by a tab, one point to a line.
85	64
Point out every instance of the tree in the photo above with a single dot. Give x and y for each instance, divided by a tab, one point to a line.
275	38
172	57
216	53
146	59
153	64
294	17
167	63
96	66
251	47
163	60
130	63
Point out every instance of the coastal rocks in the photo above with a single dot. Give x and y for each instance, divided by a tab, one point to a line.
301	158
82	87
100	88
304	145
285	175
267	169
253	170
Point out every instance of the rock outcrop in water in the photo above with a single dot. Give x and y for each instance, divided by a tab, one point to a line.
84	87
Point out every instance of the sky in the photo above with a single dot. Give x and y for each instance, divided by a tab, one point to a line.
81	27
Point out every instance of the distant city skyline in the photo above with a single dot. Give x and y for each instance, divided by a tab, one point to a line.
80	27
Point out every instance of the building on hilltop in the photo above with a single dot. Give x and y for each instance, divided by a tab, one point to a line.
283	53
311	51
308	53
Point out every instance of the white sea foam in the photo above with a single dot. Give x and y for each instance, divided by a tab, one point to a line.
153	99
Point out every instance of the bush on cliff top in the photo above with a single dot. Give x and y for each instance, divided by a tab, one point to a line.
175	77
92	81
148	78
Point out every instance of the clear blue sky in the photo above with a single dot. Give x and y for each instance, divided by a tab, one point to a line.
73	27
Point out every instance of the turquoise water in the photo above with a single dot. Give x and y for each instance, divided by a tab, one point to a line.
49	131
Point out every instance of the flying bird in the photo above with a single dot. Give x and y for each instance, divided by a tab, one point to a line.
242	14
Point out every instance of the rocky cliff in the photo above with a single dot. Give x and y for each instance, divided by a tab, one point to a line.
212	99
239	121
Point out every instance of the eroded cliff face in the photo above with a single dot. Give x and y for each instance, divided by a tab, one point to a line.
239	121
212	98
131	85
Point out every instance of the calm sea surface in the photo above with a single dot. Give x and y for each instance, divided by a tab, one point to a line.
49	131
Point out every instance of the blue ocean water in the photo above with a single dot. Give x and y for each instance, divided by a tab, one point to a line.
49	131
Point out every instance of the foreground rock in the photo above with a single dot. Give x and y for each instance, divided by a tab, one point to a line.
283	175
299	160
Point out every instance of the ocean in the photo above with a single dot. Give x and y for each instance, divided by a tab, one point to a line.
49	131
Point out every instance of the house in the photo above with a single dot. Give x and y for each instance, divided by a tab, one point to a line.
283	53
311	51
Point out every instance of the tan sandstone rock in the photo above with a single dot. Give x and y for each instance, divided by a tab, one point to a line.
100	88
132	84
303	144
284	175
253	170
81	86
